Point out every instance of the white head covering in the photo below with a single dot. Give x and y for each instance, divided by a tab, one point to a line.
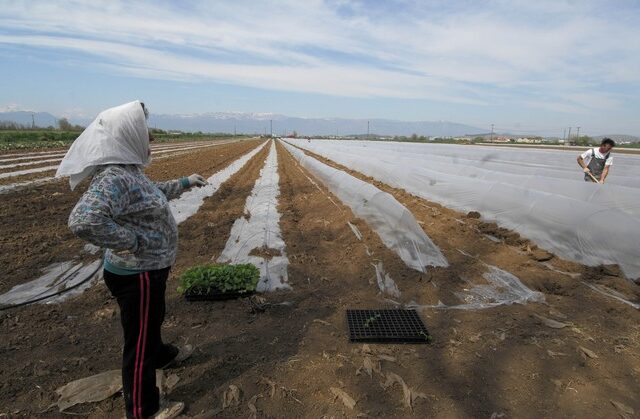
117	136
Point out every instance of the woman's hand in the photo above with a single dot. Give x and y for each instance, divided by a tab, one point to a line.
196	180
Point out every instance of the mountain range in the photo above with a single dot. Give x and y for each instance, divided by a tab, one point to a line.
265	123
26	118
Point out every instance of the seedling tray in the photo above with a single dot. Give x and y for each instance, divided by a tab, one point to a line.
216	296
386	326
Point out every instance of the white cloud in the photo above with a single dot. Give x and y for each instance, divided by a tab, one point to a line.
558	55
13	107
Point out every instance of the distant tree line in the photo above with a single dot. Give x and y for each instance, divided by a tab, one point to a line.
63	125
14	126
583	140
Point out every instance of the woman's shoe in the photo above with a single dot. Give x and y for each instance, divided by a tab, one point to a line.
169	410
174	356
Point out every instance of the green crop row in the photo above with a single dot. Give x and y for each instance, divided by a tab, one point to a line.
27	139
19	145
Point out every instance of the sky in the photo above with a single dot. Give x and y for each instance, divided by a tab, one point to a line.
524	66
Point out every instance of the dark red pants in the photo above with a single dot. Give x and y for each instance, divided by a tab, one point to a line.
142	310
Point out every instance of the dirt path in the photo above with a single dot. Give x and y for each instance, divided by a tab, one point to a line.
35	232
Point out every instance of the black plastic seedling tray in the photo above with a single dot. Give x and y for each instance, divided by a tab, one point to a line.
217	296
386	326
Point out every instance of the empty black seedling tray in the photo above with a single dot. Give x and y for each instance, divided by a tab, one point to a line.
384	326
216	295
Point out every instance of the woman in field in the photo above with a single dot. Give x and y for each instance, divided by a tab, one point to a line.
129	216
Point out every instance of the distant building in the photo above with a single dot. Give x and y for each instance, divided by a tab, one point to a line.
526	140
499	139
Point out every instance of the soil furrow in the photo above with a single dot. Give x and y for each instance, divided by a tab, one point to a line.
484	353
286	350
35	232
52	345
204	235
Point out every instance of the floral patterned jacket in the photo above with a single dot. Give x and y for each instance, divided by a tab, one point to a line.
129	215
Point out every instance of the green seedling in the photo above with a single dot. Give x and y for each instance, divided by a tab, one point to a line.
427	338
204	279
371	319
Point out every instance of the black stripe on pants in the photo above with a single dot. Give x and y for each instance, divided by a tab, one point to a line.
142	310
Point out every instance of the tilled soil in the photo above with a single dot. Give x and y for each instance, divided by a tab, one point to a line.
27	167
24	178
20	151
329	270
203	236
35	232
44	347
494	360
288	351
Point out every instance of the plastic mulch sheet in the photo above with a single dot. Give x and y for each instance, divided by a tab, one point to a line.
540	194
395	225
256	237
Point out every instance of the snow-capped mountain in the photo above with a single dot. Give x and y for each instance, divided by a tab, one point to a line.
264	123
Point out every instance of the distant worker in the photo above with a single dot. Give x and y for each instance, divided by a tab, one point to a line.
596	161
129	216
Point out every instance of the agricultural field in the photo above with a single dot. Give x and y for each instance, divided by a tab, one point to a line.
522	273
33	139
17	140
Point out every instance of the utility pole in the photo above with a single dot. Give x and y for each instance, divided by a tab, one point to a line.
271	127
33	121
578	134
564	134
367	130
569	135
491	132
